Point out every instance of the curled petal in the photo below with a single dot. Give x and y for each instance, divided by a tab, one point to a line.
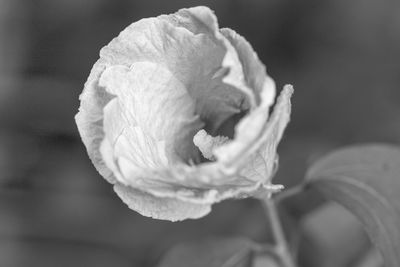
160	208
202	20
89	119
152	116
197	57
256	139
253	69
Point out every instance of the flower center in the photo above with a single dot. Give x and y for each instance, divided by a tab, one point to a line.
206	143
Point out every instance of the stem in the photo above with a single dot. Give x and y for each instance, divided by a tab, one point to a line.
282	248
295	190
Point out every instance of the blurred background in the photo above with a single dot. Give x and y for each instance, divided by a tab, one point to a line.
343	58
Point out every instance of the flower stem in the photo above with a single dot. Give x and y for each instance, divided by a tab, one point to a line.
287	193
281	245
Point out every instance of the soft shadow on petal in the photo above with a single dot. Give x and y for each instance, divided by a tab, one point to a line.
195	59
160	208
89	119
254	70
201	19
235	75
256	139
155	115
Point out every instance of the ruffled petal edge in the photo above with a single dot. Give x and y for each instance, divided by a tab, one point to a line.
160	208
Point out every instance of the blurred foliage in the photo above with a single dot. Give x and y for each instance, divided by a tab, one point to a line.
365	179
232	252
55	210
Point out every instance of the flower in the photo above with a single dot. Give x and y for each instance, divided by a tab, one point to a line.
175	114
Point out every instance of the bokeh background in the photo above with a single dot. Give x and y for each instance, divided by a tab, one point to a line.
343	58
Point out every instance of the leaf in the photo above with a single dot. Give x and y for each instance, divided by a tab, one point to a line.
365	180
230	252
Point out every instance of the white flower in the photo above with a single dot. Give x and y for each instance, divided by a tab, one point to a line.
175	114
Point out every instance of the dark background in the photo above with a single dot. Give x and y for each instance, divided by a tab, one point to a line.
343	58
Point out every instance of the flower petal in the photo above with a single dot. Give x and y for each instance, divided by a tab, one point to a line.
253	69
160	208
89	119
154	112
194	58
256	139
201	19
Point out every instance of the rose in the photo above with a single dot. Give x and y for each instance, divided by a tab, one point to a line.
175	114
